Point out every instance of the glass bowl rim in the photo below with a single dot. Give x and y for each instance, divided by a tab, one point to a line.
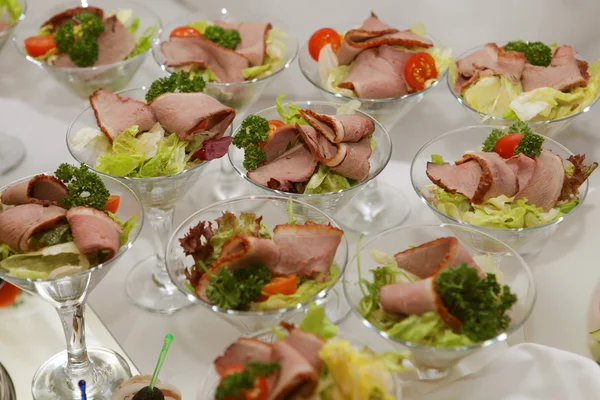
9	31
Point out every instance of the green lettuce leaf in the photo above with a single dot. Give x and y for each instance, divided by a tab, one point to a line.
255	72
199	25
46	262
291	116
492	95
6	251
316	322
144	42
124	157
324	180
337	76
127	227
567	207
428	329
170	158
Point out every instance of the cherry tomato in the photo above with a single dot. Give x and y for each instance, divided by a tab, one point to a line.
321	38
37	46
281	285
8	294
419	69
112	204
185	31
260	391
506	145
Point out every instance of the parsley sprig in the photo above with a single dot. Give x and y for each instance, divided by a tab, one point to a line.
85	187
233	384
530	145
181	81
253	130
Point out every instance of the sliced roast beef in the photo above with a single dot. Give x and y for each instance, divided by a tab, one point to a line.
243	251
254	38
18	224
67	15
373	23
306	250
41	188
408	298
463	178
326	152
427	259
308	344
227	65
523	167
462	83
563	73
340	128
379	73
188	113
115	113
356	163
497	178
94	231
114	45
495	60
213	148
295	165
282	139
242	352
128	389
297	377
545	185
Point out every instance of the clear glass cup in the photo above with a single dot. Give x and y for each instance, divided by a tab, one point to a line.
212	379
148	284
436	362
452	146
84	81
273	211
237	95
548	128
102	369
380	207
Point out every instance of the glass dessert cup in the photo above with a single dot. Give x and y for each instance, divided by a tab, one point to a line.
212	379
237	95
548	128
148	284
102	369
380	207
528	242
436	362
84	81
273	211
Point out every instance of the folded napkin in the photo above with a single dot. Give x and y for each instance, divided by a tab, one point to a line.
523	372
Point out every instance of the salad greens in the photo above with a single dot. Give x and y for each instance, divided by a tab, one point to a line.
12	8
85	187
231	384
253	131
530	145
316	322
180	81
227	38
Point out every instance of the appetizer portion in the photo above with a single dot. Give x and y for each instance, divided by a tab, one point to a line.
437	294
226	52
10	11
54	226
305	362
527	81
240	265
86	37
306	152
511	182
136	388
177	128
376	60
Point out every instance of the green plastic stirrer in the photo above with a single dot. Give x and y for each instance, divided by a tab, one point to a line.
159	363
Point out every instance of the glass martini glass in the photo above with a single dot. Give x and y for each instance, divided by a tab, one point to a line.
148	284
380	206
273	211
102	369
237	95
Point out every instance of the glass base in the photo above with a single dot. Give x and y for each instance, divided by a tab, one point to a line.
12	152
147	292
337	308
109	370
374	210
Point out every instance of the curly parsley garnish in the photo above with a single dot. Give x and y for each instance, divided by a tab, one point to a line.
530	145
228	38
85	187
236	290
232	384
182	82
253	130
537	53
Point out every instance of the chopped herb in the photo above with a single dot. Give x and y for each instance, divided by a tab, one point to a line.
253	130
180	81
236	290
537	53
85	187
228	38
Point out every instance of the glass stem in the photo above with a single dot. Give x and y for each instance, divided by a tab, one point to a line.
369	202
162	225
78	364
228	185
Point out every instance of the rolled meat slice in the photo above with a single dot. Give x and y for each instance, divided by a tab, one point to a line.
280	141
128	389
94	232
297	377
41	188
340	128
326	152
254	38
523	167
243	351
295	165
308	344
188	113
18	224
356	162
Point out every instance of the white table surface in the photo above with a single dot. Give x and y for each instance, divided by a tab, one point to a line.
38	110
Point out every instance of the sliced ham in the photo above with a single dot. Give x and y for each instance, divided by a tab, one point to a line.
67	15
254	39
226	64
242	352
545	185
373	23
114	45
213	148
188	113
563	73
40	188
295	165
282	139
18	224
340	128
356	163
326	152
115	113
427	259
243	251
308	344
463	178
494	60
297	377
306	250
128	389
94	231
523	167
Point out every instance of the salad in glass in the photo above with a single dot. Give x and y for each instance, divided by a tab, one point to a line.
84	36
525	81
225	51
375	60
10	12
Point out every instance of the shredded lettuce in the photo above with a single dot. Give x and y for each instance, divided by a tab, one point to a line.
315	321
291	116
325	180
126	227
428	329
134	26
170	158
256	72
144	41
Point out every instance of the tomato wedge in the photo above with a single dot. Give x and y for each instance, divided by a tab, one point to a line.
320	39
281	285
506	145
112	204
8	294
185	31
37	46
419	69
260	391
